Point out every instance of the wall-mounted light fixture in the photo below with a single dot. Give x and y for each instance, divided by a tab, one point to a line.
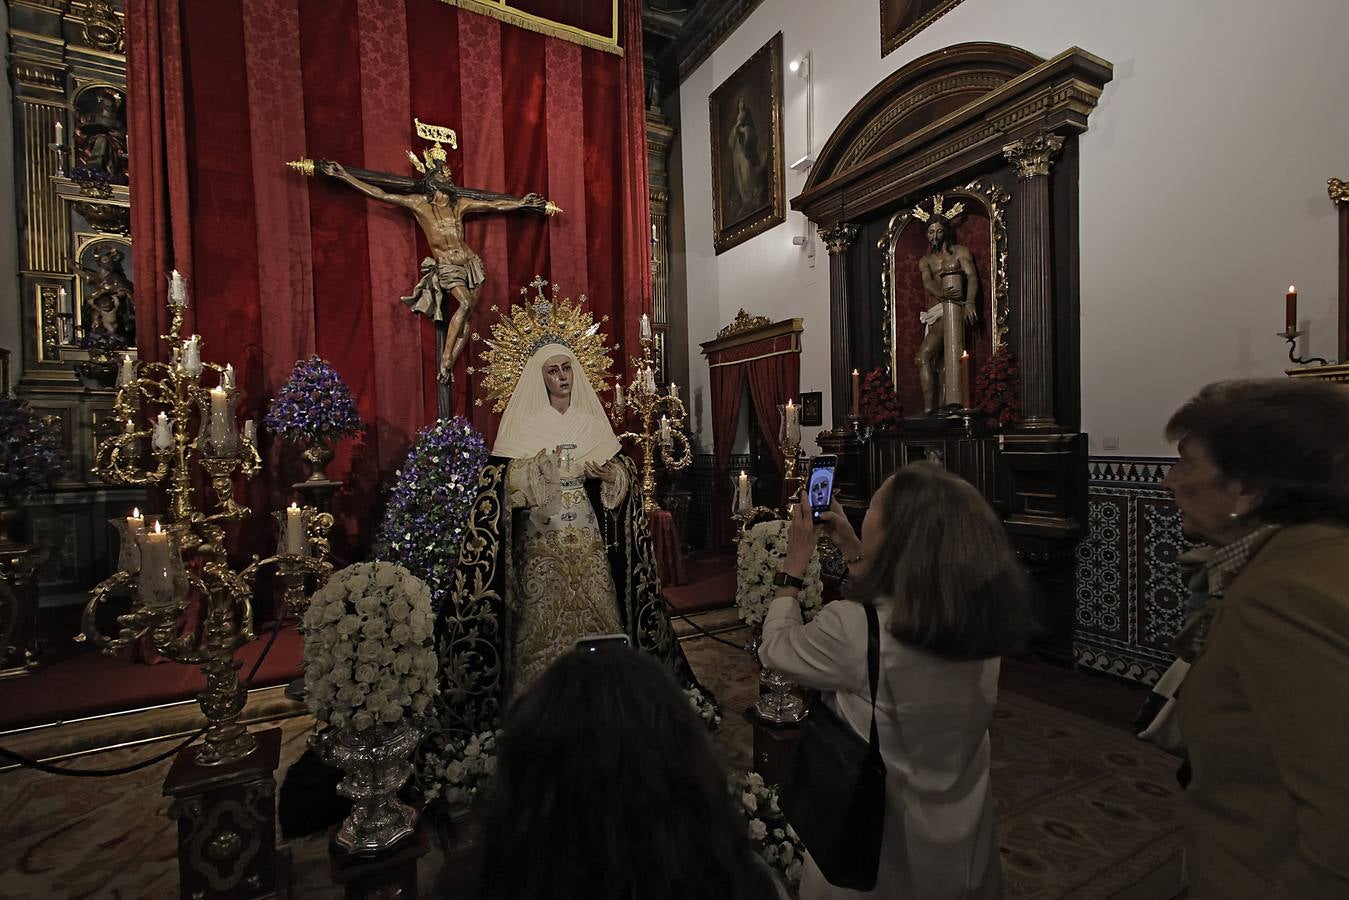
802	68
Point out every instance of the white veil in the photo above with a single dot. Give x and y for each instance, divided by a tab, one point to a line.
530	423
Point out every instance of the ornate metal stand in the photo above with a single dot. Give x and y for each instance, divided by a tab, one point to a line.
659	421
1291	337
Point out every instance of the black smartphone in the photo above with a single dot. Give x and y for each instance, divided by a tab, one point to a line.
820	487
594	642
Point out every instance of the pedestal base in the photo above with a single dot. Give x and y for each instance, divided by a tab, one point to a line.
227	825
385	875
773	746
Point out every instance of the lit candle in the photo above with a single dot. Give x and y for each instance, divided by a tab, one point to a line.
130	426
646	327
135	523
163	436
156	581
1290	310
742	492
651	381
618	396
793	421
61	299
227	380
674	390
653	224
177	289
219	427
965	379
295	537
251	432
61	138
665	438
127	373
856	393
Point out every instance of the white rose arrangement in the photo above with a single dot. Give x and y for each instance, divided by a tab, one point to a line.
368	656
776	842
460	769
759	557
707	711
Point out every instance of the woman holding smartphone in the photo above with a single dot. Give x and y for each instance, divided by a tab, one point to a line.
951	599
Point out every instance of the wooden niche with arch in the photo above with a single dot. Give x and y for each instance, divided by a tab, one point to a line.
994	129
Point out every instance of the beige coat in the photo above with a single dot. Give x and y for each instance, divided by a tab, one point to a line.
1264	714
932	718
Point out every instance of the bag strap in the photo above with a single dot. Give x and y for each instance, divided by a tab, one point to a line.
873	669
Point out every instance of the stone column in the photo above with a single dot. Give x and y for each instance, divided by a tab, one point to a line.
837	240
1030	158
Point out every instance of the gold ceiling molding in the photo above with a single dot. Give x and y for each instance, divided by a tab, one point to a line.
508	12
743	322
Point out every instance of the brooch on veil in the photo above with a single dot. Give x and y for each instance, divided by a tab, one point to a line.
518	334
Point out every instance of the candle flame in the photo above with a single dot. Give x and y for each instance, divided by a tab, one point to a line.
964	354
294	506
136	514
1292	289
158	530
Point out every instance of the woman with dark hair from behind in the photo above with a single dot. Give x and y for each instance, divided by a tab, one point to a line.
607	788
951	598
1263	478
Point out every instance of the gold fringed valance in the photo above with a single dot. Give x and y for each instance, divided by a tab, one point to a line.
509	11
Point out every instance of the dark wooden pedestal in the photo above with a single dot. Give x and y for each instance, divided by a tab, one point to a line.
773	746
386	875
227	825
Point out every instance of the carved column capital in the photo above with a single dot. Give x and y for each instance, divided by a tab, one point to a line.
839	238
1338	191
1031	156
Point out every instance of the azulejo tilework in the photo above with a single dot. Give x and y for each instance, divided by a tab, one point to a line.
1129	589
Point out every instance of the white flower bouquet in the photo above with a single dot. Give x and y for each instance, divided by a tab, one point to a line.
762	551
368	656
459	770
776	842
707	711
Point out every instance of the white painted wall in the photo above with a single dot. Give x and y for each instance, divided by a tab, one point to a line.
1202	185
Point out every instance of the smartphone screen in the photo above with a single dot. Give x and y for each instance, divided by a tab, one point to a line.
820	489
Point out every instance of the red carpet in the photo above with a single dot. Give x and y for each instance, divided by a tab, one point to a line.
711	585
89	682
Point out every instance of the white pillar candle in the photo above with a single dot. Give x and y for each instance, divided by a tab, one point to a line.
793	422
665	439
127	373
135	523
61	138
651	381
156	581
674	390
219	428
646	327
295	536
191	358
163	436
61	299
742	492
227	379
618	396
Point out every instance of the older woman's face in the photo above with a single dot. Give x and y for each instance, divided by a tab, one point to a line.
1210	503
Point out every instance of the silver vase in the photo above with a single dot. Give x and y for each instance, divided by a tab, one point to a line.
778	700
377	763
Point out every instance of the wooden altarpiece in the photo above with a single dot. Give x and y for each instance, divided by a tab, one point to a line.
995	128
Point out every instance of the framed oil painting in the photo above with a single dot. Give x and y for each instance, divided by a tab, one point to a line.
746	109
902	19
812	409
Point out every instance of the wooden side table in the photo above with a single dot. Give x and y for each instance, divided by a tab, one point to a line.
773	746
391	874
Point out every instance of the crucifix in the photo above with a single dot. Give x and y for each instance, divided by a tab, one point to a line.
439	206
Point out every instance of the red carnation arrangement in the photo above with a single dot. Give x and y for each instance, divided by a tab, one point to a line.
997	389
880	404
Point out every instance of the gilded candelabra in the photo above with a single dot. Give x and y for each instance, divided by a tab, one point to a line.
181	555
658	419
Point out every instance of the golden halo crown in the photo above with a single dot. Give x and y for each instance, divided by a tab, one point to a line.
520	333
938	202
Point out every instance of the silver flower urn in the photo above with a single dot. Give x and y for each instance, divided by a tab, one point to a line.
778	700
377	763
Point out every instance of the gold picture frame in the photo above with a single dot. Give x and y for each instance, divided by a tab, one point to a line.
902	19
748	196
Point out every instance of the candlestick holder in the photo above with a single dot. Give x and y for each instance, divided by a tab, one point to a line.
185	558
1291	337
863	433
62	158
657	422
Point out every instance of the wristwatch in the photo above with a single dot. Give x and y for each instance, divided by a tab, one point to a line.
782	579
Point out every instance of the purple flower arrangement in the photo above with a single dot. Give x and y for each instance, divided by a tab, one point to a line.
30	452
314	404
433	494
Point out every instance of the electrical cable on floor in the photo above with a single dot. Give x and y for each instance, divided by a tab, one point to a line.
703	632
134	767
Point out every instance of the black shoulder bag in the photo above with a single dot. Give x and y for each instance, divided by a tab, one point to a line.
834	794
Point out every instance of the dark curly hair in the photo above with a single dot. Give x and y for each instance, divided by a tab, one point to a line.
607	788
1284	440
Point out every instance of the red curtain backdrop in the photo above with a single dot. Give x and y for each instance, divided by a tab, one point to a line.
280	266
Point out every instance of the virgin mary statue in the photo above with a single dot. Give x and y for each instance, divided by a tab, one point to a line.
565	543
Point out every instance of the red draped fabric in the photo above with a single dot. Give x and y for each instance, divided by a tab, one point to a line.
773	380
727	384
280	266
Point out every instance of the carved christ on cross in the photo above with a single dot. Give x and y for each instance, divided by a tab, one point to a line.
439	206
